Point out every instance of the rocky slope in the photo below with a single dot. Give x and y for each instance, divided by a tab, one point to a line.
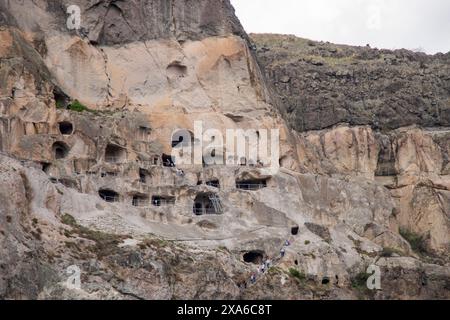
87	123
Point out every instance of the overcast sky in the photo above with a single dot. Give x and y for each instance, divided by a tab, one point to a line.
392	24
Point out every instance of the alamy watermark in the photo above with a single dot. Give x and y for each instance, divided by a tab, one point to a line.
74	20
374	280
250	147
74	279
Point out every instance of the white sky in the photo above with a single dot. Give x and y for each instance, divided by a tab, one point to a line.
391	24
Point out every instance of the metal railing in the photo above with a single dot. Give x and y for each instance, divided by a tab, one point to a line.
251	186
215	200
203	211
214	184
161	203
110	198
141	203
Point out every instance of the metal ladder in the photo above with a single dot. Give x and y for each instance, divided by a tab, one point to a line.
216	203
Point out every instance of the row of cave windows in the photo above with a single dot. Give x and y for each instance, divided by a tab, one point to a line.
250	185
203	203
117	154
61	151
66	129
113	153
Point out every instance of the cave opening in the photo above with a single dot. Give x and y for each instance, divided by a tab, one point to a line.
176	70
142	175
144	134
108	195
207	203
215	183
115	154
159	201
295	230
251	184
62	101
255	257
45	166
60	150
140	200
66	128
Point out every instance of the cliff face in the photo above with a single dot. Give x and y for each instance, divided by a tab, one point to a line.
107	22
323	84
86	128
375	113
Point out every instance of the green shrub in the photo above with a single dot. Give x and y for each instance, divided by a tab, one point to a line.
360	280
389	252
416	241
59	104
307	242
78	106
274	270
359	283
68	220
297	274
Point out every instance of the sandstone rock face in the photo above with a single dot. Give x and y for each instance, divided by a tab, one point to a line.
322	85
86	134
409	162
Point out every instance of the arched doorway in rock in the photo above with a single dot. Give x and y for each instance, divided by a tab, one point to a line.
207	203
60	150
295	230
254	256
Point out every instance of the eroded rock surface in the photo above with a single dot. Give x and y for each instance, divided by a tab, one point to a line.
323	84
86	129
